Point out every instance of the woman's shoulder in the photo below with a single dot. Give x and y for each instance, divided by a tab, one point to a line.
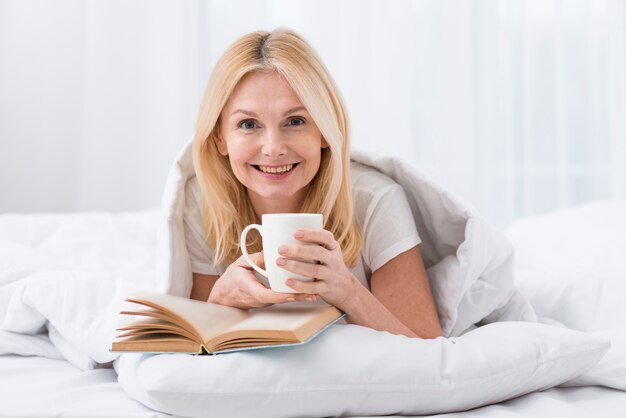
368	180
193	197
373	191
384	215
192	188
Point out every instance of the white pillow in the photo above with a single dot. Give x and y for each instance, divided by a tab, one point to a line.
570	266
351	370
589	299
584	236
582	298
611	369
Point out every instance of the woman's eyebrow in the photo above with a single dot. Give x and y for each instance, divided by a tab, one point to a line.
245	112
250	113
295	109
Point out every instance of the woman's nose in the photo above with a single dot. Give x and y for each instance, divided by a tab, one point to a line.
274	144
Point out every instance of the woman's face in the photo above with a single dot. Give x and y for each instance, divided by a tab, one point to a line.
273	145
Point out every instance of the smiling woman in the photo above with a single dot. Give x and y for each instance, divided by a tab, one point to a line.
272	137
228	108
273	146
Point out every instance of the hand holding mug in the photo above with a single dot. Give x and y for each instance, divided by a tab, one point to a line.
277	229
317	254
238	287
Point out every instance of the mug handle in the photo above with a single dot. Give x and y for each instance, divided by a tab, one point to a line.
244	249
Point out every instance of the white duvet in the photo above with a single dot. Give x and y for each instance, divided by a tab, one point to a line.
63	279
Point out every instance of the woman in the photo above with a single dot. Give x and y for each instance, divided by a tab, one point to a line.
272	137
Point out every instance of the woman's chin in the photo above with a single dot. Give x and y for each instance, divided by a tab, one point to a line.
280	200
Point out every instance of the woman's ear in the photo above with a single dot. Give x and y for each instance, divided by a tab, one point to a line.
221	144
324	143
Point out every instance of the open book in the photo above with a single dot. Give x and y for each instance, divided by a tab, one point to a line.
169	323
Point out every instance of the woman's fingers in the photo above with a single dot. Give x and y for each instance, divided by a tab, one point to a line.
239	287
313	252
312	270
312	288
317	236
261	293
256	257
275	297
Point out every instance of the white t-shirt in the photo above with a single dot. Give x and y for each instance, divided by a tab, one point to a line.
382	211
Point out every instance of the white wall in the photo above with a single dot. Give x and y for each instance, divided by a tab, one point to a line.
517	106
96	98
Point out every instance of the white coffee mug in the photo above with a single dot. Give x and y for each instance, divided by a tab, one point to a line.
277	229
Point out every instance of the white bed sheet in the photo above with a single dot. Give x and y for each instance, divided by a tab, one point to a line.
43	387
580	402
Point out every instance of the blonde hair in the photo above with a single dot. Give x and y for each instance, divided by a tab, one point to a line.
226	209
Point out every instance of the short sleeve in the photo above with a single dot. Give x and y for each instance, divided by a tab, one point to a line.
389	227
200	253
383	212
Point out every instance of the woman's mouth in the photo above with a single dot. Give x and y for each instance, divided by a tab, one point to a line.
276	171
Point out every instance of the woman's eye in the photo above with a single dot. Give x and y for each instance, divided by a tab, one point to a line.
248	124
296	121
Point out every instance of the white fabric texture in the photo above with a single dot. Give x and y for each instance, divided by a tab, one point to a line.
575	276
382	210
42	387
351	370
67	273
64	391
469	262
470	268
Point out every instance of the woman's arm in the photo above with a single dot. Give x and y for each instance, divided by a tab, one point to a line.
400	301
405	306
202	286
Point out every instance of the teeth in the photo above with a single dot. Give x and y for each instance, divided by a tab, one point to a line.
276	170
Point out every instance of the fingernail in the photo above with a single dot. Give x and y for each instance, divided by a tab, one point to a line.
281	261
289	282
298	234
282	249
291	299
310	298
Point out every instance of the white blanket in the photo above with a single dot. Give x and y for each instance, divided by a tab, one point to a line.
469	263
63	277
52	280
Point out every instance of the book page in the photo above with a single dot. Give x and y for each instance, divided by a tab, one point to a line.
276	326
157	343
154	324
287	317
207	319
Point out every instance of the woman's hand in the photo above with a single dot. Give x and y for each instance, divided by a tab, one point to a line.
238	287
323	261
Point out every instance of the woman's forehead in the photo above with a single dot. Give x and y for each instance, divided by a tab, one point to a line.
263	93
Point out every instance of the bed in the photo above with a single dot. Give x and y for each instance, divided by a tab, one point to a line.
572	283
35	386
42	387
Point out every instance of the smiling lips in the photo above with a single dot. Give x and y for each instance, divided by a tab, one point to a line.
282	169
